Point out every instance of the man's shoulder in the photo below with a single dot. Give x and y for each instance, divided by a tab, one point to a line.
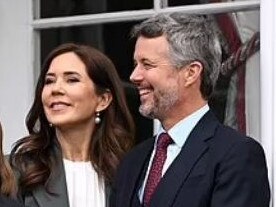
233	135
227	139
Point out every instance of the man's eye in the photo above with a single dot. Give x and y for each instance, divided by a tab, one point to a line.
148	66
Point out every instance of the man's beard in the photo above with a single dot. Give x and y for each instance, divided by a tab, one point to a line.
161	103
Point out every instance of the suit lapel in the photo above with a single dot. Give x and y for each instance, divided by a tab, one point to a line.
180	169
137	173
57	185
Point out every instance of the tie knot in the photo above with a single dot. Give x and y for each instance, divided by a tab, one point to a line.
163	141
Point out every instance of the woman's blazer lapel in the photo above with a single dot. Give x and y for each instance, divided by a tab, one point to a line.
58	196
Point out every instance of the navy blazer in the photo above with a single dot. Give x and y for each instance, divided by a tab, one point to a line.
217	167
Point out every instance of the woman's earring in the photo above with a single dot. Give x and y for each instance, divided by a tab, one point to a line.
50	124
97	118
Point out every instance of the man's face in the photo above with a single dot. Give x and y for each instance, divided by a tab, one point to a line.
156	78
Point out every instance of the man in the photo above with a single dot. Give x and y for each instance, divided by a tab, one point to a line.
204	164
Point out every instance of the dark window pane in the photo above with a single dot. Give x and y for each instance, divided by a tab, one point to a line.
192	2
182	3
59	8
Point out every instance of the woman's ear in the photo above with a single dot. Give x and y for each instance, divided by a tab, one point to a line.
192	72
104	101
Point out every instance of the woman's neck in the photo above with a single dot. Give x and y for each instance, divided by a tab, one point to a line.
75	143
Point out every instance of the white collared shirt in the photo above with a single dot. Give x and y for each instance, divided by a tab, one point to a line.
179	133
84	187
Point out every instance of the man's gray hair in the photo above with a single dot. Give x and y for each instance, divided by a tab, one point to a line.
190	38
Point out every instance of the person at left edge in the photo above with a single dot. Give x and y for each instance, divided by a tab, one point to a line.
80	128
8	187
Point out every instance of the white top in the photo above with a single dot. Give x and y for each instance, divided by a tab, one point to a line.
84	187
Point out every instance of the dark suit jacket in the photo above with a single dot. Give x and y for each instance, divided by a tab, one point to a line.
8	202
217	167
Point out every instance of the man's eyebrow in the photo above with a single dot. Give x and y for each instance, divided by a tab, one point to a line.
147	60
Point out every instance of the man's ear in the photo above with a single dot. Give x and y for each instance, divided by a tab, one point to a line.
192	72
104	100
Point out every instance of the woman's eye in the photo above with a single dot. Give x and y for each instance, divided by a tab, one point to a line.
72	80
48	81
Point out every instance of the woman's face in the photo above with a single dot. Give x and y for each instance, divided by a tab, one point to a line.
68	96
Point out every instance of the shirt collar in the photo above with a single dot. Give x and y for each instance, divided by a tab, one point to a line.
181	130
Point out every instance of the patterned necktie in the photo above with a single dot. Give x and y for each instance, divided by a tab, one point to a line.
155	172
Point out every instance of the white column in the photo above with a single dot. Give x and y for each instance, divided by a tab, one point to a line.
268	87
16	70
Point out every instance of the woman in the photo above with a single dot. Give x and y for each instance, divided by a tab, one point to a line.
7	180
80	128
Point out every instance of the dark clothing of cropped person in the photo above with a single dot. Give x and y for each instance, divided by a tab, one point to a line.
8	188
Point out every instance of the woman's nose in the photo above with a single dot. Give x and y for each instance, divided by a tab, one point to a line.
58	88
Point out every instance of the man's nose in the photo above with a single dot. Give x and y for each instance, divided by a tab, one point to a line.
136	75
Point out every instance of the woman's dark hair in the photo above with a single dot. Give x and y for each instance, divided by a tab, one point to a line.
112	138
7	178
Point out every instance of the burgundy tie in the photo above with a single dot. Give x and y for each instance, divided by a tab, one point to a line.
155	172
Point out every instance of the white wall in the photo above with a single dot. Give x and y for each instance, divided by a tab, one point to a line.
16	68
268	88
